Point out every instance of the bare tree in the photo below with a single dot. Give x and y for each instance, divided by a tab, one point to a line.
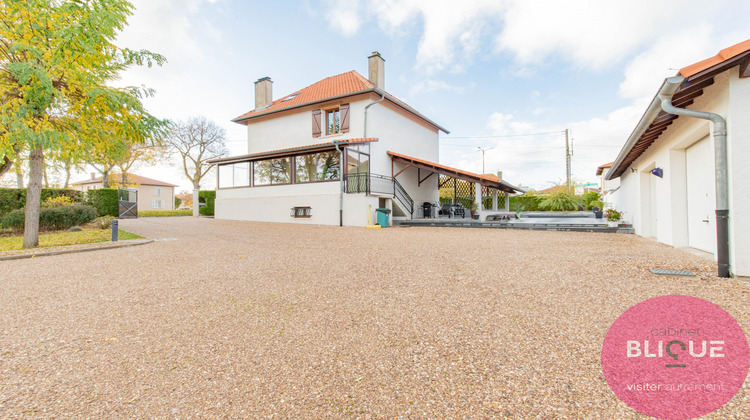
196	141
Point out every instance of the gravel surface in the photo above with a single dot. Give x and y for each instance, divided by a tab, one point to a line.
252	320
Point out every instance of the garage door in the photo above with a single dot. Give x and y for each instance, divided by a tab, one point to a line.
701	196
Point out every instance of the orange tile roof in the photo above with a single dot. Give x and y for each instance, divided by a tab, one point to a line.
719	58
132	179
292	150
601	168
330	87
342	85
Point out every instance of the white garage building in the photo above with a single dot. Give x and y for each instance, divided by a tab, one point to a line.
678	169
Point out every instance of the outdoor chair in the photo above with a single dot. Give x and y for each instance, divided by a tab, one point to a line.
447	209
459	210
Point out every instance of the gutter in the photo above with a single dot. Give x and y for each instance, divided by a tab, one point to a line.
341	182
653	110
369	105
720	164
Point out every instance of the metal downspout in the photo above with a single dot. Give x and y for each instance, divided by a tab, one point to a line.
720	164
341	183
364	134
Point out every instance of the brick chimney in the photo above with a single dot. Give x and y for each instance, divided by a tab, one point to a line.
376	66
500	175
263	93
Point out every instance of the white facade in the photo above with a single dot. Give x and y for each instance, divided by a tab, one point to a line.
395	129
678	209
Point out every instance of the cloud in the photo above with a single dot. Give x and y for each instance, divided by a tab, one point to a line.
451	35
645	72
344	15
430	85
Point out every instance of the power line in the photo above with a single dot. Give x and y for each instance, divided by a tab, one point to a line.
504	136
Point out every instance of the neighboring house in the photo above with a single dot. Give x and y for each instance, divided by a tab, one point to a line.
152	194
332	153
670	167
608	187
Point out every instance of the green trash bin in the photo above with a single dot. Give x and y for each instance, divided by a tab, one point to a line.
383	217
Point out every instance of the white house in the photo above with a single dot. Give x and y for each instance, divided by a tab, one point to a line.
294	171
686	162
152	194
608	187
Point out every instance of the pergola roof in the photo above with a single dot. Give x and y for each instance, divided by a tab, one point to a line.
485	180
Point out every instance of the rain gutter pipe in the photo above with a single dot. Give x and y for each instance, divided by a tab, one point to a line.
369	105
720	163
341	182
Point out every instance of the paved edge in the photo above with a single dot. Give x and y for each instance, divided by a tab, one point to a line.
123	244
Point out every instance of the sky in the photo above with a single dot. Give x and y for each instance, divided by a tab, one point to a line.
506	76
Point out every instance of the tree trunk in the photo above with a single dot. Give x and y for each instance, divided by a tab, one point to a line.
123	179
44	170
33	198
105	179
196	195
19	173
5	166
68	167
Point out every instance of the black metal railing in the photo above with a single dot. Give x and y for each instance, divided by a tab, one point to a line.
369	183
401	195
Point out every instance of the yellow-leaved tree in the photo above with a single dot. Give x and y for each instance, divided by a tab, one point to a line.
57	65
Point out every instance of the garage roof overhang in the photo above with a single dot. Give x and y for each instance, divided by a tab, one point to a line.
654	122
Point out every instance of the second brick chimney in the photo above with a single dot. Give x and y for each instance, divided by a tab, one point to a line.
376	67
263	93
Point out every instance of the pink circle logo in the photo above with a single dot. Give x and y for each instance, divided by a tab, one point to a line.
675	357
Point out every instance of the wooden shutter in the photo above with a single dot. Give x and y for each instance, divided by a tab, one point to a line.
344	115
316	123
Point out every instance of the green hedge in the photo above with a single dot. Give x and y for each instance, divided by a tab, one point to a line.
207	197
104	201
15	198
52	218
164	213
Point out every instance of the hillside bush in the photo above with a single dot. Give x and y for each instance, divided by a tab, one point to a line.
589	198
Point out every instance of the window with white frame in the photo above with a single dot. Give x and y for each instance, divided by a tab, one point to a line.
157	191
157	204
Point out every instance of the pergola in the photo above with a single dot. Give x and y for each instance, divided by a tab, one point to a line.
483	185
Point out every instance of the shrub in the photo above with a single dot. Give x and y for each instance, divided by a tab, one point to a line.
526	202
177	202
561	201
207	197
15	198
613	215
104	201
164	213
598	204
103	222
589	198
52	218
14	220
58	201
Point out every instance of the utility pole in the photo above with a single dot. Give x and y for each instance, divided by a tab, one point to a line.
484	149
567	157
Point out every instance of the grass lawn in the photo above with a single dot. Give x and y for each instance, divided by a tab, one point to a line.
164	213
86	236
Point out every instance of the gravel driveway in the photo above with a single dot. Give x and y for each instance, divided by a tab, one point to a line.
252	320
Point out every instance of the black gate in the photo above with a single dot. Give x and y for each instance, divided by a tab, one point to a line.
127	204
